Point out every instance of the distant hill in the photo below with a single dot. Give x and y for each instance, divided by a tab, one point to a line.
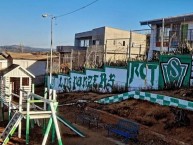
20	48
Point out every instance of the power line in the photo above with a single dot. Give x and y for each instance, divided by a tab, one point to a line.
77	9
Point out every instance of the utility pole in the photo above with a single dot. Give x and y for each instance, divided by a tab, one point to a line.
162	36
130	41
51	45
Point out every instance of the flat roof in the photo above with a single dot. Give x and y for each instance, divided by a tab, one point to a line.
12	67
179	18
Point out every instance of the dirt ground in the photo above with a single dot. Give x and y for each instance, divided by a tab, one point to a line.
159	125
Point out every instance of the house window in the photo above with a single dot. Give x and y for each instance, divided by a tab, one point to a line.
94	42
84	43
25	81
165	34
123	43
114	42
97	42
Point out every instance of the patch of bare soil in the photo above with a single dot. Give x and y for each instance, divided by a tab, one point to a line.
183	93
159	125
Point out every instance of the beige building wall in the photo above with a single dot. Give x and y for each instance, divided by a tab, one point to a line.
118	43
110	45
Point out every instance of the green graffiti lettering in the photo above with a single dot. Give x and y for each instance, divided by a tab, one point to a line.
79	81
60	85
152	68
134	70
95	80
103	80
84	85
141	71
111	79
174	70
74	83
67	84
90	81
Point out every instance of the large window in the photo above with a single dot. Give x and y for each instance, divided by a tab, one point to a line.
84	43
165	34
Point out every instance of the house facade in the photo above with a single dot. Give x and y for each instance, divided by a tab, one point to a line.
170	34
104	44
117	44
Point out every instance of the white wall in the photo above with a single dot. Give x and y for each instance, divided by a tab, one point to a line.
103	79
4	64
37	68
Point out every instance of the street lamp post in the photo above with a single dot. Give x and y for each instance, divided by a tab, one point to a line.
51	45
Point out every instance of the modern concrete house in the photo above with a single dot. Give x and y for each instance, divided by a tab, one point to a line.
117	44
170	34
105	44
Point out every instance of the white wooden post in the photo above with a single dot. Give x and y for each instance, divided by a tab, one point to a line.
53	107
45	97
54	95
10	99
50	94
20	110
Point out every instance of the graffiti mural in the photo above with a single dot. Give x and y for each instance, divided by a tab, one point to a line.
103	80
143	75
172	70
175	70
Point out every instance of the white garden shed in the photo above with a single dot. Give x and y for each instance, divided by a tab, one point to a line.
18	77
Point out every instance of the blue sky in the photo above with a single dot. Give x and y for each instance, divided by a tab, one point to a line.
21	21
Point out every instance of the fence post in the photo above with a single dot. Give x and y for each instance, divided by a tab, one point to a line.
27	119
10	98
53	125
45	108
20	110
130	41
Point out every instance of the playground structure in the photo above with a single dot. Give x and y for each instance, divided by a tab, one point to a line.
32	107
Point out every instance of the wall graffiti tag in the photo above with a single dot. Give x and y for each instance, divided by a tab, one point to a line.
85	82
143	75
138	75
175	70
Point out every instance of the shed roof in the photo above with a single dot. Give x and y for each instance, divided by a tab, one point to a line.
4	56
173	19
12	67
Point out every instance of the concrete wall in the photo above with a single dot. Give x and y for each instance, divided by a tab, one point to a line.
95	34
102	80
172	71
